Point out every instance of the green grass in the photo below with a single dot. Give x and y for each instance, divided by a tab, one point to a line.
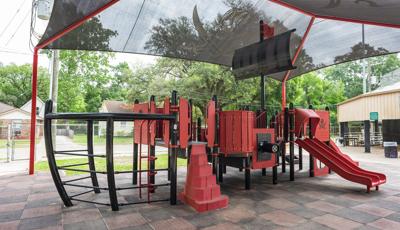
120	164
81	139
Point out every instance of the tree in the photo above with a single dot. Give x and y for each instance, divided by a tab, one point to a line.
86	79
15	84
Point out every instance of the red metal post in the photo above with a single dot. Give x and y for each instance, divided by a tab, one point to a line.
34	77
33	113
294	59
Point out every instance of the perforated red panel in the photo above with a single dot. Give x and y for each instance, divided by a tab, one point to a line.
210	120
323	128
184	123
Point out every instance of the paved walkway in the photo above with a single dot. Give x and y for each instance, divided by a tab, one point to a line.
31	202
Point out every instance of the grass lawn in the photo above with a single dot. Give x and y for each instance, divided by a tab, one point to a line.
81	139
120	164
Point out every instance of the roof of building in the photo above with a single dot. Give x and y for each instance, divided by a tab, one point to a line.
5	107
117	106
393	88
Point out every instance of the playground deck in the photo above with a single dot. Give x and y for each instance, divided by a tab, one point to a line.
31	202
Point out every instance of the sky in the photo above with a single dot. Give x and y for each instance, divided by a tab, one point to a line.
15	19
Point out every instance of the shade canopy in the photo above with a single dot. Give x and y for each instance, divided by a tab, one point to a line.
211	30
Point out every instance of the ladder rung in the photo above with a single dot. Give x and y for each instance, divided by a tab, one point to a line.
152	173
71	151
85	186
78	154
74	165
80	194
143	170
80	170
82	178
143	202
91	202
143	186
152	158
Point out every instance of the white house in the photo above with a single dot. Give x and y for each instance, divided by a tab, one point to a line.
19	119
121	128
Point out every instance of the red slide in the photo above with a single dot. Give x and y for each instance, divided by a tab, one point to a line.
340	163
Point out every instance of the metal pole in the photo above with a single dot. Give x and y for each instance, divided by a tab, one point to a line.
90	155
135	158
363	61
110	165
173	156
33	113
291	140
311	173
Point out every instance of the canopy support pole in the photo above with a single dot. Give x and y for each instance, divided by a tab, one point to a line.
296	55
34	76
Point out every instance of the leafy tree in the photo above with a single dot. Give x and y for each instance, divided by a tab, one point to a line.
15	84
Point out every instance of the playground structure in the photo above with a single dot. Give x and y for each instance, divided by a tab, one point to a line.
241	139
237	139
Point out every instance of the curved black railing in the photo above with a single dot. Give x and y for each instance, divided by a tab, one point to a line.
109	156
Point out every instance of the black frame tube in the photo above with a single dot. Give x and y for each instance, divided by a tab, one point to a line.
174	154
311	173
291	141
110	165
247	173
51	159
152	162
135	158
92	166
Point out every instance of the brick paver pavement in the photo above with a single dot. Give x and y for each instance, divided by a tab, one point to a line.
330	202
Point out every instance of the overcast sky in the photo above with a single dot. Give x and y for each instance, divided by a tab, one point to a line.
15	17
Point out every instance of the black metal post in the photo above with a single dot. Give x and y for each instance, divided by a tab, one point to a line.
367	136
198	129
152	151
110	165
247	174
135	157
92	167
301	153
51	159
311	137
221	169
174	148
275	168
285	138
291	140
262	87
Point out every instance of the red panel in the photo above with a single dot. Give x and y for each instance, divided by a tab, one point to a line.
267	163
323	128
166	130
210	132
302	116
236	132
159	124
152	130
140	126
184	123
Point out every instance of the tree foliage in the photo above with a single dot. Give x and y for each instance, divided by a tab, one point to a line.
15	84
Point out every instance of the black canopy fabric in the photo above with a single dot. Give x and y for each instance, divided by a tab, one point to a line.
378	12
211	30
